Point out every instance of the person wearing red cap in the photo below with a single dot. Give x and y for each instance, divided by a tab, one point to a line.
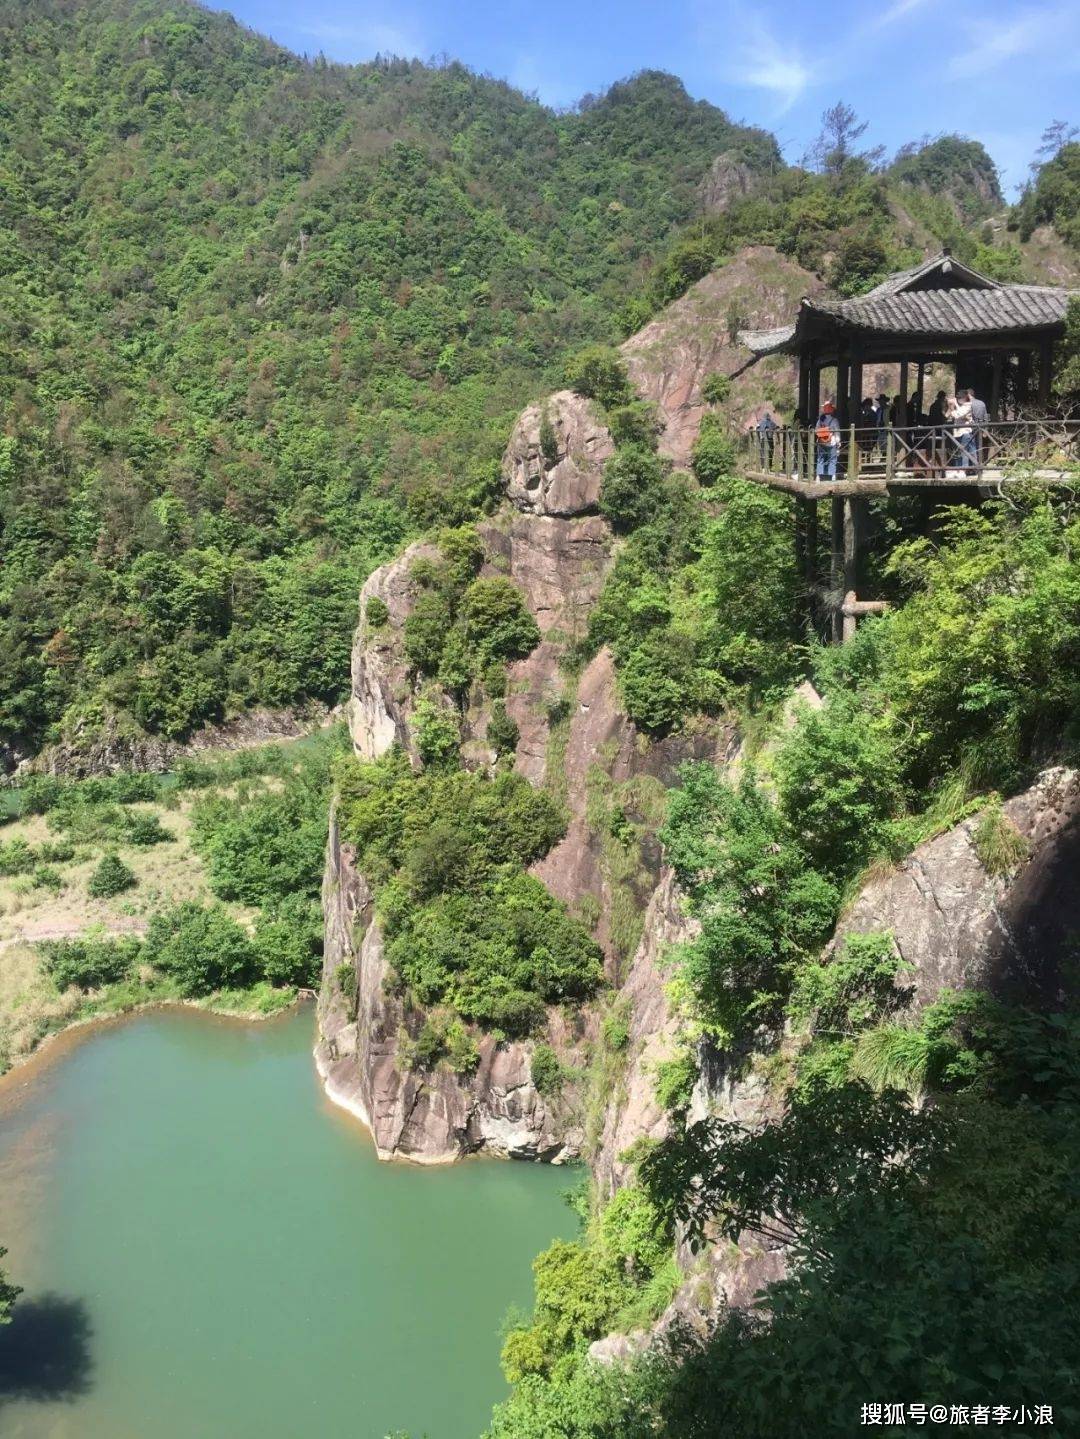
827	434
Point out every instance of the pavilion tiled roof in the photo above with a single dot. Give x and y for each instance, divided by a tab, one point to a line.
904	305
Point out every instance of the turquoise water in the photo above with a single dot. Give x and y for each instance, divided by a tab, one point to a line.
211	1251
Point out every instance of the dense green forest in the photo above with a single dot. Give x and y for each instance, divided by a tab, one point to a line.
264	318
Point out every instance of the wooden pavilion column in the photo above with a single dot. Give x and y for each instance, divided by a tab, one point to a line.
836	578
997	362
804	416
920	388
902	407
1046	367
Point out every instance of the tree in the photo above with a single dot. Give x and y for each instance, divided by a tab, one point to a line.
111	877
8	1294
834	152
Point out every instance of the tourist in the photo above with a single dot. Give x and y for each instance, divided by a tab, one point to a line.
935	418
882	421
766	430
827	435
979	419
867	425
958	415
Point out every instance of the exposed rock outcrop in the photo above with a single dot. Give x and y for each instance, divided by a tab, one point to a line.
379	701
729	178
959	927
565	480
114	745
697	335
431	1117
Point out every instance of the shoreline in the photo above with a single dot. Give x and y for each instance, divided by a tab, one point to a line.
53	1045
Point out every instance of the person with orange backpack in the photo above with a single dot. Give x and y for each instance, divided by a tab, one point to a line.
827	435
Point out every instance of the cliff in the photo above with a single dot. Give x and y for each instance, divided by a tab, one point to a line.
430	1117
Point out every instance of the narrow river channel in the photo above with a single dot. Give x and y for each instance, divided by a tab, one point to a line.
209	1250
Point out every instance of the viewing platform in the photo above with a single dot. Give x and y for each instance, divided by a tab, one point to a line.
913	459
1000	342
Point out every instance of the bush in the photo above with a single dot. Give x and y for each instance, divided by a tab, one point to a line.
146	829
376	612
716	388
89	963
111	877
713	457
502	731
547	1072
839	784
203	949
635	424
599	373
496	622
1000	846
288	942
762	906
632	490
437	732
466	928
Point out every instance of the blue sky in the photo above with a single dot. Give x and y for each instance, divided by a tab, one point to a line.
998	70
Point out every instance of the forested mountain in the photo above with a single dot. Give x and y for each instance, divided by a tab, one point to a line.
262	318
259	317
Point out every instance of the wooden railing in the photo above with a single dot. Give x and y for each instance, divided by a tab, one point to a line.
921	451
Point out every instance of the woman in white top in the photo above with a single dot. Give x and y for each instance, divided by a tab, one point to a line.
958	415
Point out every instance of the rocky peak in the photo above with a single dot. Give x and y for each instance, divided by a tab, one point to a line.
555	459
729	178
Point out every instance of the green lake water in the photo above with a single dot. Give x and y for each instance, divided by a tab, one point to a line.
209	1250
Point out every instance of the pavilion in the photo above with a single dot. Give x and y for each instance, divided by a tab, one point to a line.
999	339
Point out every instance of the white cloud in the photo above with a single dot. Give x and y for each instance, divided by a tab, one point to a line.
366	35
1048	26
749	53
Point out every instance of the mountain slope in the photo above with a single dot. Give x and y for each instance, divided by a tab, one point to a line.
262	318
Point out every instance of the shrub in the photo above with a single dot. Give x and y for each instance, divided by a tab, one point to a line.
502	731
496	622
345	975
549	441
635	424
713	457
675	1080
839	784
437	731
716	388
546	1071
425	630
146	829
599	373
466	928
998	843
853	989
288	942
89	963
111	877
203	949
762	905
376	612
632	490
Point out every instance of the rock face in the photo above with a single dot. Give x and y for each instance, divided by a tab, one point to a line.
958	927
729	179
381	689
566	480
111	747
697	336
432	1117
634	1112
